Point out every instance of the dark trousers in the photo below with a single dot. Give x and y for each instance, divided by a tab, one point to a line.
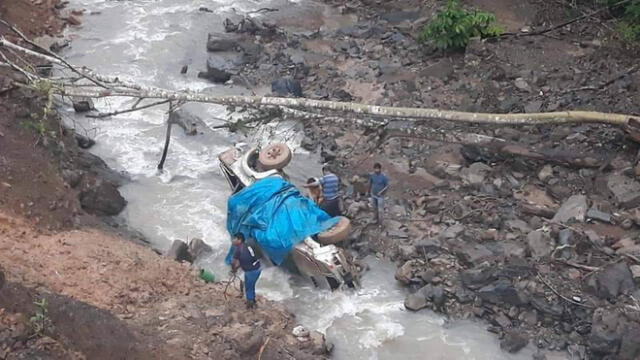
331	207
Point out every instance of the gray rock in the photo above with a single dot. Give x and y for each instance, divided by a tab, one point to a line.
415	302
189	122
614	280
501	291
595	214
521	84
545	173
539	244
198	248
452	232
319	343
542	305
407	271
473	254
463	295
103	198
626	191
575	208
84	142
286	86
428	246
222	42
512	249
517	224
630	346
218	70
605	336
513	341
179	251
476	173
82	104
477	277
533	106
441	70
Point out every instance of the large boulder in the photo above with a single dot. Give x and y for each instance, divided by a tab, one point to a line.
614	280
606	330
222	42
477	277
219	70
407	272
82	104
286	86
501	291
626	191
179	251
189	122
472	254
103	198
415	301
476	173
198	248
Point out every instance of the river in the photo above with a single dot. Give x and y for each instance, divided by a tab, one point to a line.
148	41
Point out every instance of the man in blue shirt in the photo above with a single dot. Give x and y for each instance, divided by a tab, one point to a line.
245	257
378	185
330	192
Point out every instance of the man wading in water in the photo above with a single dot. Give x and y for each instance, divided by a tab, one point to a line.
330	191
245	258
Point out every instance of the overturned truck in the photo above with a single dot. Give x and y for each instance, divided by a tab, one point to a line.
289	229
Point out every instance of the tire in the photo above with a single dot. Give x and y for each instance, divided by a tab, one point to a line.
275	156
337	233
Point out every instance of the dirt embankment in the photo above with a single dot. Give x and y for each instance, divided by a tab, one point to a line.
107	297
546	253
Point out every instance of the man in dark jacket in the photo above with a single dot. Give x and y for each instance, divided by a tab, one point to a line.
245	257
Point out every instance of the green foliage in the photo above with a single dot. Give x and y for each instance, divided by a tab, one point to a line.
36	126
40	321
629	13
454	26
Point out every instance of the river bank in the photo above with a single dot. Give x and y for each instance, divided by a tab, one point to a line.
545	250
108	294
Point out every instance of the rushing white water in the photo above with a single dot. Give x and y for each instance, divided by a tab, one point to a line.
149	41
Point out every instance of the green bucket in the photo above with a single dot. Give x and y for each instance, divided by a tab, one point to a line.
207	276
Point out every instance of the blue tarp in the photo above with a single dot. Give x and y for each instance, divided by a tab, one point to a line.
274	213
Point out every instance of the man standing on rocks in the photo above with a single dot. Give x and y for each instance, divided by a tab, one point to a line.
330	191
244	257
378	185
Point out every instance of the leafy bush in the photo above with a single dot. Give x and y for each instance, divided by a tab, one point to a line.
454	26
629	13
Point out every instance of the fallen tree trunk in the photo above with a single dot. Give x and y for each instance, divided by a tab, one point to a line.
109	86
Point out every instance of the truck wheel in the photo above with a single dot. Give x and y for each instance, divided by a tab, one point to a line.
337	233
275	156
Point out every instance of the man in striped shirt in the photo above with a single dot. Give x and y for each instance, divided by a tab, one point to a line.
330	192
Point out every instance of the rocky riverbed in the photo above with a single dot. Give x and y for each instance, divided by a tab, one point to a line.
545	250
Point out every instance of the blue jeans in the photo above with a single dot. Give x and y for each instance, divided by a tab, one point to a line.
250	280
378	206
